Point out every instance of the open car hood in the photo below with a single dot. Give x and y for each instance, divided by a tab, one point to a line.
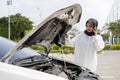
50	31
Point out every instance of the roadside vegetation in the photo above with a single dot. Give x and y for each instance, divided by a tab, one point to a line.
55	49
112	47
68	50
112	31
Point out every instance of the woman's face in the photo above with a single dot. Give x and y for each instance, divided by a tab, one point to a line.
89	27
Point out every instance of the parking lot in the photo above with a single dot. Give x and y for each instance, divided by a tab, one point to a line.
109	65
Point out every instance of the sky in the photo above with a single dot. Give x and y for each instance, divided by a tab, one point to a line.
38	10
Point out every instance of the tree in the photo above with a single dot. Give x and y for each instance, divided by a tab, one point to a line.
114	27
105	36
18	24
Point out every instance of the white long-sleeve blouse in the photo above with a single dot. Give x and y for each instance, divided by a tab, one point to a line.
86	48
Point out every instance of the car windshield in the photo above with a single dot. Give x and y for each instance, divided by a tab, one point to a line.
28	56
6	45
24	53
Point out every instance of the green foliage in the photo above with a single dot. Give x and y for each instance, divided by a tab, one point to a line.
113	47
27	31
55	47
39	48
116	46
54	51
114	27
107	47
105	36
18	24
100	51
35	47
67	50
63	48
3	26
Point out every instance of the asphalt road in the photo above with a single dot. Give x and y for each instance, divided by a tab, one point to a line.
108	64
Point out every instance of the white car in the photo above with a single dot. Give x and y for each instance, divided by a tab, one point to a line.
18	62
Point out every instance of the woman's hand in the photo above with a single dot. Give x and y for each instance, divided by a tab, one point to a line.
66	35
95	31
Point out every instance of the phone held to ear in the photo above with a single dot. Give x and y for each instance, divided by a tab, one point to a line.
94	30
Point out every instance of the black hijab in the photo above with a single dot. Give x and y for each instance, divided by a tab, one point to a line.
94	24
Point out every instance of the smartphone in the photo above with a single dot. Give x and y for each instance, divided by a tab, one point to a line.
94	28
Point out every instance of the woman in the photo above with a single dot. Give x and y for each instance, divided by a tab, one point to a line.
86	45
